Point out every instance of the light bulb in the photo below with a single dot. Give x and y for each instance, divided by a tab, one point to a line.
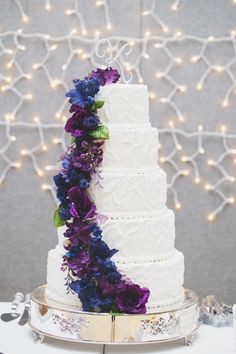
159	75
152	95
177	205
197	180
225	103
199	87
194	59
12	138
35	66
211	162
201	150
162	159
184	158
185	172
182	88
145	13
200	127
44	187
44	147
178	60
165	29
232	178
25	18
48	6
231	200
211	38
219	69
208	187
178	147
174	7
40	173
210	217
29	96
17	164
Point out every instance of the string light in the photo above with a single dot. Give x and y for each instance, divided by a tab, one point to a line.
72	40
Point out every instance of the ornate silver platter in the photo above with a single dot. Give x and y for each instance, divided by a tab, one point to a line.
49	318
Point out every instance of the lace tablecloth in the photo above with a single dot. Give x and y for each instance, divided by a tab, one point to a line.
15	339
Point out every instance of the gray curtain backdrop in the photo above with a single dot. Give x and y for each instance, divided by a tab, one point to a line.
26	230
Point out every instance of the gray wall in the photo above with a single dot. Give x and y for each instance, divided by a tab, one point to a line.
26	230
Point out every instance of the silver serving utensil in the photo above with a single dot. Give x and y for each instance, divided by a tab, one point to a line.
24	318
6	317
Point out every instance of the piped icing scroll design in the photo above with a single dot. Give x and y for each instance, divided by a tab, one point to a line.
91	274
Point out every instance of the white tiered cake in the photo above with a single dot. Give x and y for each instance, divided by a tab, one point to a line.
133	198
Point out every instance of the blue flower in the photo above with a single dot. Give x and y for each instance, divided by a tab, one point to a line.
84	92
114	277
62	187
91	122
99	248
96	231
64	210
91	300
84	182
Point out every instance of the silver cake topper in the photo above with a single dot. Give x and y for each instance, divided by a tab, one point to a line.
112	55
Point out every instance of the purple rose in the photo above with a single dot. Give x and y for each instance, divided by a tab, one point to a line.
107	76
133	299
82	207
91	122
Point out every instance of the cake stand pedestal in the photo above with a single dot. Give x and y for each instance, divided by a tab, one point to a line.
49	318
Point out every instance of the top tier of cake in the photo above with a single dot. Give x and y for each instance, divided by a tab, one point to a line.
124	104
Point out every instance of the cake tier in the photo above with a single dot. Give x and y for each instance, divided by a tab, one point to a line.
129	190
125	147
136	238
124	104
163	278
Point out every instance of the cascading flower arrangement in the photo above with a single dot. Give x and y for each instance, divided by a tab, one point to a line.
91	274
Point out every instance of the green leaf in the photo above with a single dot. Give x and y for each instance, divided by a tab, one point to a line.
73	139
96	105
101	132
58	221
99	104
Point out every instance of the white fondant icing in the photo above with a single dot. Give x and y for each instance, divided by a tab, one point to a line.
130	148
124	104
131	191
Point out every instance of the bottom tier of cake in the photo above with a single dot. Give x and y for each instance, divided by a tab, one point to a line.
164	278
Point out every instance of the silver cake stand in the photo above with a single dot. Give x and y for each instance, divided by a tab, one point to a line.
49	318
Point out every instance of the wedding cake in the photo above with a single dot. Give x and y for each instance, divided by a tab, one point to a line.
116	236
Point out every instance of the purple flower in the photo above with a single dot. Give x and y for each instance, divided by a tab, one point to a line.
81	264
87	157
81	207
133	299
75	124
78	231
84	91
91	122
107	76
